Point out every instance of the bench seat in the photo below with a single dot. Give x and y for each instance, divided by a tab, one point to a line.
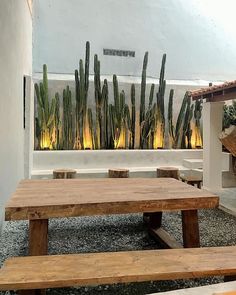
39	272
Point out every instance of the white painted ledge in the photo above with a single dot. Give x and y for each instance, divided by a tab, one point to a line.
139	162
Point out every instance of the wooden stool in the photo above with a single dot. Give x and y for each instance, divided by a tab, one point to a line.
118	173
64	173
170	172
192	180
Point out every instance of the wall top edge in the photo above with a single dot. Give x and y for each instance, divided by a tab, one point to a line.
127	79
120	151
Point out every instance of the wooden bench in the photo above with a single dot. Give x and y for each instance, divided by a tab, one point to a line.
37	272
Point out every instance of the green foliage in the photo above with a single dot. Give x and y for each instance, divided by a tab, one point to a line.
229	117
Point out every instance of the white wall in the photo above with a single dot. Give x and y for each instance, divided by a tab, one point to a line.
198	36
15	62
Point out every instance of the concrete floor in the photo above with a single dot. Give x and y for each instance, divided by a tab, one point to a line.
228	200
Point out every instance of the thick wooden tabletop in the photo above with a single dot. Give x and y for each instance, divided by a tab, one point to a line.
43	199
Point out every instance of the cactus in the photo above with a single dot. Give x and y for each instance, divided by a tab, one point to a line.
46	112
187	132
104	119
159	132
67	120
120	120
81	94
98	100
197	117
180	119
133	117
170	118
142	99
57	122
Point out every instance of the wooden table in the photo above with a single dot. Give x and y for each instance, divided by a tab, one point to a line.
40	200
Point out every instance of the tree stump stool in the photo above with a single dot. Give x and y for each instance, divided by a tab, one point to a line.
64	173
170	172
156	217
192	180
118	173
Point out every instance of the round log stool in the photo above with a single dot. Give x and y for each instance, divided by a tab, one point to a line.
170	172
64	173
118	173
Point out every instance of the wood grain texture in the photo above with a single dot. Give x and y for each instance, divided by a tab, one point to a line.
38	237
43	199
36	272
190	227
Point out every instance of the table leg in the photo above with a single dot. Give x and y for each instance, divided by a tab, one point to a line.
38	237
38	245
191	238
155	219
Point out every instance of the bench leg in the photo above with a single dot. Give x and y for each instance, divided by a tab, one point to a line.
38	245
191	238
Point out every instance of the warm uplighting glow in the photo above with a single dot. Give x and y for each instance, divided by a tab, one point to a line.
45	140
119	143
87	136
158	141
196	138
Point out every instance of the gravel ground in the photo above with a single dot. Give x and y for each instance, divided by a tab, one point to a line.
117	233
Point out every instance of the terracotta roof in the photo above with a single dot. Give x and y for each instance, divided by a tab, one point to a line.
212	91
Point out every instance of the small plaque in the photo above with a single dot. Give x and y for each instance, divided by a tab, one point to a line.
117	52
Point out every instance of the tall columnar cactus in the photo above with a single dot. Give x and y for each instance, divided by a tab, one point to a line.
98	101
46	112
57	122
142	98
120	120
197	117
133	117
159	132
67	120
81	94
187	132
170	118
179	123
104	117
